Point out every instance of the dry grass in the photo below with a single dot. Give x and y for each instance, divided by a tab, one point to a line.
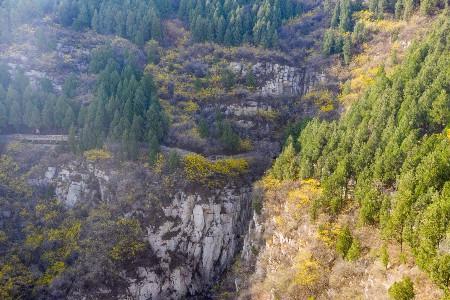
389	42
299	258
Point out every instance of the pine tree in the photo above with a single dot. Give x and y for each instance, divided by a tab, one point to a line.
250	79
440	112
73	144
336	15
153	52
355	250
344	241
347	48
399	9
328	42
345	15
229	139
15	115
69	118
408	9
3	115
402	290
286	167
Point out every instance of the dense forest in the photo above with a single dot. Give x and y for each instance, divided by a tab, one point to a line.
396	138
125	109
229	22
27	106
236	22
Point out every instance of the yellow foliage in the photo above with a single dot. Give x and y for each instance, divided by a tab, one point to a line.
299	199
362	78
199	169
191	107
296	280
9	175
364	15
388	25
322	99
328	232
34	241
327	108
246	145
52	272
97	154
311	182
159	164
129	243
374	24
279	221
270	183
307	270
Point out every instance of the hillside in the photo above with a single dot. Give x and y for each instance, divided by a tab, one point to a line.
239	149
146	191
353	206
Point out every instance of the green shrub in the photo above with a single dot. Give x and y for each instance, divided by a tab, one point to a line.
402	290
344	241
354	252
227	78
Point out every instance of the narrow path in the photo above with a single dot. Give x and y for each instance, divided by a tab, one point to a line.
51	139
61	139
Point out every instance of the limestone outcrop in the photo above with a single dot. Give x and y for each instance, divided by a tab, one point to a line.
279	80
193	238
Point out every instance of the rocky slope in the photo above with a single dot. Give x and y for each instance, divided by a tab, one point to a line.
293	249
194	231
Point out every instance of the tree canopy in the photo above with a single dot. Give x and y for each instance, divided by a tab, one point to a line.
396	137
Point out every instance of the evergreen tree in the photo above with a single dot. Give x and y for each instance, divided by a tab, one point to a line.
344	241
346	49
354	252
402	290
229	139
153	52
285	166
250	79
73	144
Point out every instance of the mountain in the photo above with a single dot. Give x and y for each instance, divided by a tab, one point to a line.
358	207
238	149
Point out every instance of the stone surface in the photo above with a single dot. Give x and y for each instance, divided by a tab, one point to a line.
192	242
279	80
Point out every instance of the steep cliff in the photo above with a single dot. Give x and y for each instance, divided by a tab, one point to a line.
183	234
193	232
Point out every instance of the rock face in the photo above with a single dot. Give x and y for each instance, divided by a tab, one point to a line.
193	240
279	80
196	243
